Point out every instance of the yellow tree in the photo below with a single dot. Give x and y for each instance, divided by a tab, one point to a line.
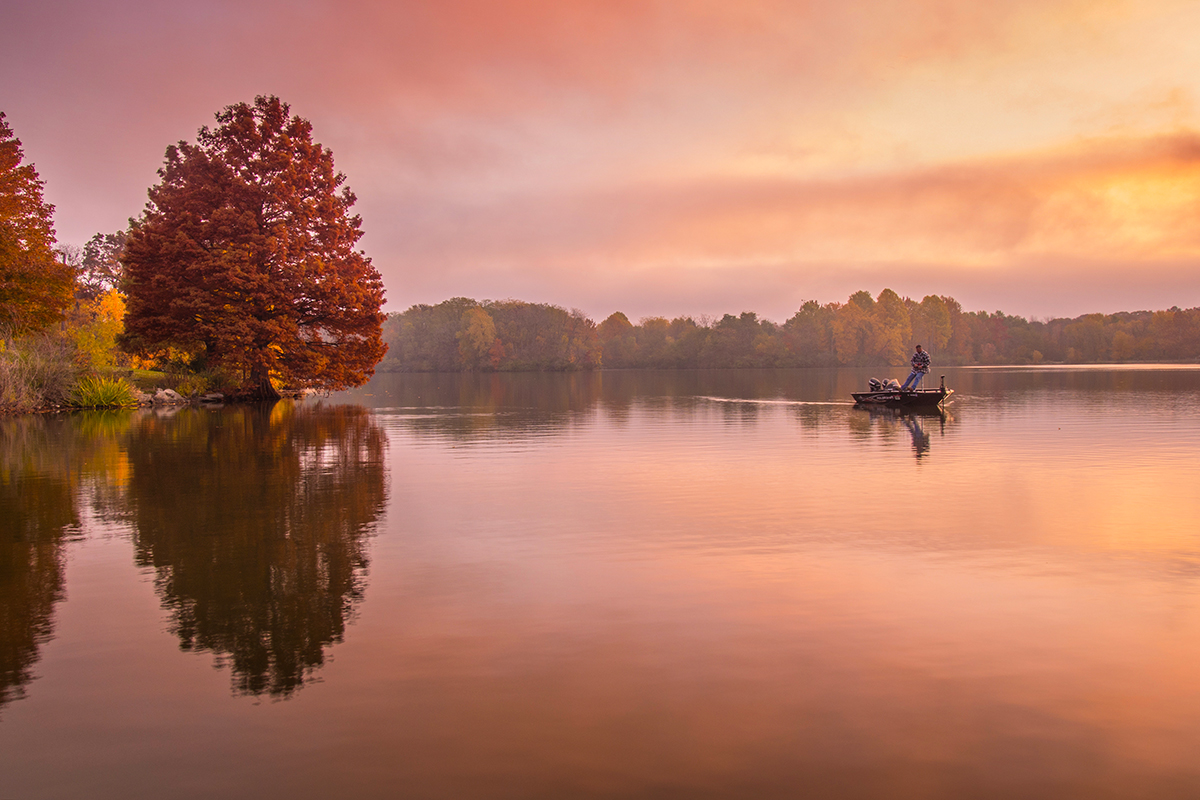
476	338
853	327
892	331
931	323
95	325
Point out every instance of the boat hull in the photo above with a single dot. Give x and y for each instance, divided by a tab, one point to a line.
921	398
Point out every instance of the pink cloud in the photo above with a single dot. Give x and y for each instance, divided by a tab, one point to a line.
572	151
1043	218
996	205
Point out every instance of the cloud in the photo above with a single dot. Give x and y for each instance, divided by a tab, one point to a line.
1076	216
1135	198
670	149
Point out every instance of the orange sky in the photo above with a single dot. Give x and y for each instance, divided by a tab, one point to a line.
682	156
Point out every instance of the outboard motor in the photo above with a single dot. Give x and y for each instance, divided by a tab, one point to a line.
892	385
875	385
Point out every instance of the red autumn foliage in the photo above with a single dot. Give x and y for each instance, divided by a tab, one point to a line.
35	288
245	257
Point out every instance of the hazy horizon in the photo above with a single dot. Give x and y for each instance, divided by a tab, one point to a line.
671	158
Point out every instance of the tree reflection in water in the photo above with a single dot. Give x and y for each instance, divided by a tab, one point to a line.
37	514
255	520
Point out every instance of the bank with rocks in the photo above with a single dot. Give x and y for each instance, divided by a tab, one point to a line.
170	397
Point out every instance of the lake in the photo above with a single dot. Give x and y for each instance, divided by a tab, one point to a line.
722	584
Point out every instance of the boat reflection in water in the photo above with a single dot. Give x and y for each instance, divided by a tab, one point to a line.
920	423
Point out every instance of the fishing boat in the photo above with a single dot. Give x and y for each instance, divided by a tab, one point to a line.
889	395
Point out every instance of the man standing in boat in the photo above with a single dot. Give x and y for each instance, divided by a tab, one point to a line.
920	365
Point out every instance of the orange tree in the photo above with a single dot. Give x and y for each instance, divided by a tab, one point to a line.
245	257
35	288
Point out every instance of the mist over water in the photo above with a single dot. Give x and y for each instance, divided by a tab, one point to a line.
625	584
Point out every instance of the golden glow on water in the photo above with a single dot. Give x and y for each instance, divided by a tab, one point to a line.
630	586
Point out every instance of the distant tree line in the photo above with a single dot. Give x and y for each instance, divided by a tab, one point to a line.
462	334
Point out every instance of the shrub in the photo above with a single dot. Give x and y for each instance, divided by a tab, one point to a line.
191	384
36	371
96	392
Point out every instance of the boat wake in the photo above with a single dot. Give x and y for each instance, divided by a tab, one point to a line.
747	401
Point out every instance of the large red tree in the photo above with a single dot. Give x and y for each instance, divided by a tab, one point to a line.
35	288
245	256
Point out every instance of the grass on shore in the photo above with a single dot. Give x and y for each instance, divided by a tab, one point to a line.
48	370
101	392
36	372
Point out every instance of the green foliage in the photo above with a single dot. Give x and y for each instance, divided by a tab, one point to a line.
100	265
809	336
35	287
852	330
732	341
893	329
539	336
100	392
191	385
36	371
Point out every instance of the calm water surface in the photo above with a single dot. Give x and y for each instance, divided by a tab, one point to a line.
695	584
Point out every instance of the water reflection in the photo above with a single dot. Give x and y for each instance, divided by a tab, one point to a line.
888	423
919	437
558	393
511	407
256	521
37	514
633	585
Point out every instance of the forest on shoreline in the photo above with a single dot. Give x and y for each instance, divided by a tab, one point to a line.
462	334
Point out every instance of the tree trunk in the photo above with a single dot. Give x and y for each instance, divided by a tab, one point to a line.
260	387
